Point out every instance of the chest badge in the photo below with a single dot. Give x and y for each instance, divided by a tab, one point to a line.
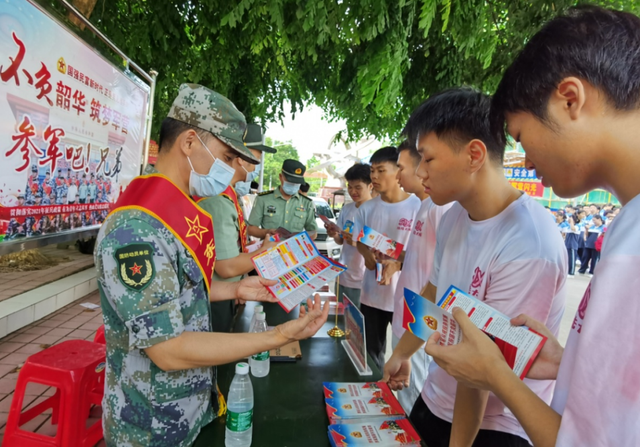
271	209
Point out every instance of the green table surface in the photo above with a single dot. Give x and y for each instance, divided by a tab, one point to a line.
289	408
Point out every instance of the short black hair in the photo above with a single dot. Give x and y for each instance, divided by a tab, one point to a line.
170	129
386	154
305	187
596	44
359	171
413	152
456	115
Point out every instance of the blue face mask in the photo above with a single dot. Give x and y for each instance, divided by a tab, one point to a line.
213	183
244	188
290	189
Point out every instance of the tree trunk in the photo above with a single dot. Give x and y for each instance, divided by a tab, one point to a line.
85	7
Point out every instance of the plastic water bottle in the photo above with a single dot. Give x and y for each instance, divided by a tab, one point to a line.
256	310
240	409
260	362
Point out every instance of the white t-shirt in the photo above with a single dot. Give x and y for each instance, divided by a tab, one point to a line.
350	255
515	262
418	258
598	387
396	221
71	192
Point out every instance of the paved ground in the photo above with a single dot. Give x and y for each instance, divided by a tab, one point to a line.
15	283
69	323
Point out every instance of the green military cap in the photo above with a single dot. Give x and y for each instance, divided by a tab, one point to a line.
293	171
205	109
254	139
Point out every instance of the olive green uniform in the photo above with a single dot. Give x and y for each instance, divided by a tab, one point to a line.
271	211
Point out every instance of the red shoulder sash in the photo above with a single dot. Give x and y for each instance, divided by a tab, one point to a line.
159	197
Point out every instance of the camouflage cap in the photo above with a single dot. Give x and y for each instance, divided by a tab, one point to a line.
205	109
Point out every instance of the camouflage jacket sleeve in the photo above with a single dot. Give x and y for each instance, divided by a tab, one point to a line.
137	270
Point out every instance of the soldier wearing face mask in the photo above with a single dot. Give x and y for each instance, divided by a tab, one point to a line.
230	228
155	256
285	206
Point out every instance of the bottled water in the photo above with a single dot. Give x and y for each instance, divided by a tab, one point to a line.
239	409
256	310
260	362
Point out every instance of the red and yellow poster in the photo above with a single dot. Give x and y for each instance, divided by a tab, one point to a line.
72	127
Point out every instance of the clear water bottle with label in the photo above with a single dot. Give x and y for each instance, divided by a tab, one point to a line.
239	409
260	362
256	310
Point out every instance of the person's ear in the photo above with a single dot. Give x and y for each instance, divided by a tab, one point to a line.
186	142
569	97
476	153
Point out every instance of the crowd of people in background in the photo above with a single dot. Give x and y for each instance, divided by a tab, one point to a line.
583	228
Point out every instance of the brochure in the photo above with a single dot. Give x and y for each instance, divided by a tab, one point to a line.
388	432
299	268
346	407
328	223
519	344
334	390
380	242
348	227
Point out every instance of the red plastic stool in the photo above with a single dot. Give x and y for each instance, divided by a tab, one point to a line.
76	369
99	337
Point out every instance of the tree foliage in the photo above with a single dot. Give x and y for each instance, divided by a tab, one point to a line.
369	62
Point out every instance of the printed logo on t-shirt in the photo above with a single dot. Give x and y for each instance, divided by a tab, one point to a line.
417	230
582	310
405	224
476	282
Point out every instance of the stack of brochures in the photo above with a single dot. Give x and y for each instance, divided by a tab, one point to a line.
367	413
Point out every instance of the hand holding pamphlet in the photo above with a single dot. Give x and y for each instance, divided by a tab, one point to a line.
380	242
519	344
299	268
330	226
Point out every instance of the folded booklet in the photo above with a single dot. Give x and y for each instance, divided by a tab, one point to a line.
520	345
298	267
328	223
343	407
387	432
335	390
371	238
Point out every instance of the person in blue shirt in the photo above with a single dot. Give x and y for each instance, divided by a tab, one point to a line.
572	236
590	256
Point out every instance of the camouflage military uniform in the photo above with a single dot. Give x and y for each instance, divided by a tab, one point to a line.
143	405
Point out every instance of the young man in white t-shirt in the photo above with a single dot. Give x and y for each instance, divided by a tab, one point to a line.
414	265
496	244
391	213
571	98
358	179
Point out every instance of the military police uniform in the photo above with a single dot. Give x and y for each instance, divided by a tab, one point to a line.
154	266
271	210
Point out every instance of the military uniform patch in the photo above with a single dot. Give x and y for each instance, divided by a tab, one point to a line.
271	209
135	265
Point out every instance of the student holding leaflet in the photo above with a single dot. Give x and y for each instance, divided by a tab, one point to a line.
358	179
577	111
496	244
415	267
391	213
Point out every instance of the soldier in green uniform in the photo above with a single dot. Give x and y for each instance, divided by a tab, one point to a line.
154	260
285	206
230	227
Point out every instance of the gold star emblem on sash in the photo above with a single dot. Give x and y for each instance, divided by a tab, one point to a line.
195	229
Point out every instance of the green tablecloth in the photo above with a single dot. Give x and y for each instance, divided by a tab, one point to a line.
289	408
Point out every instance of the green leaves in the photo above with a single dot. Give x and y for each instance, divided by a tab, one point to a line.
369	62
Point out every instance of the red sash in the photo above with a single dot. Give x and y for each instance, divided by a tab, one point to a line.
157	196
230	194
